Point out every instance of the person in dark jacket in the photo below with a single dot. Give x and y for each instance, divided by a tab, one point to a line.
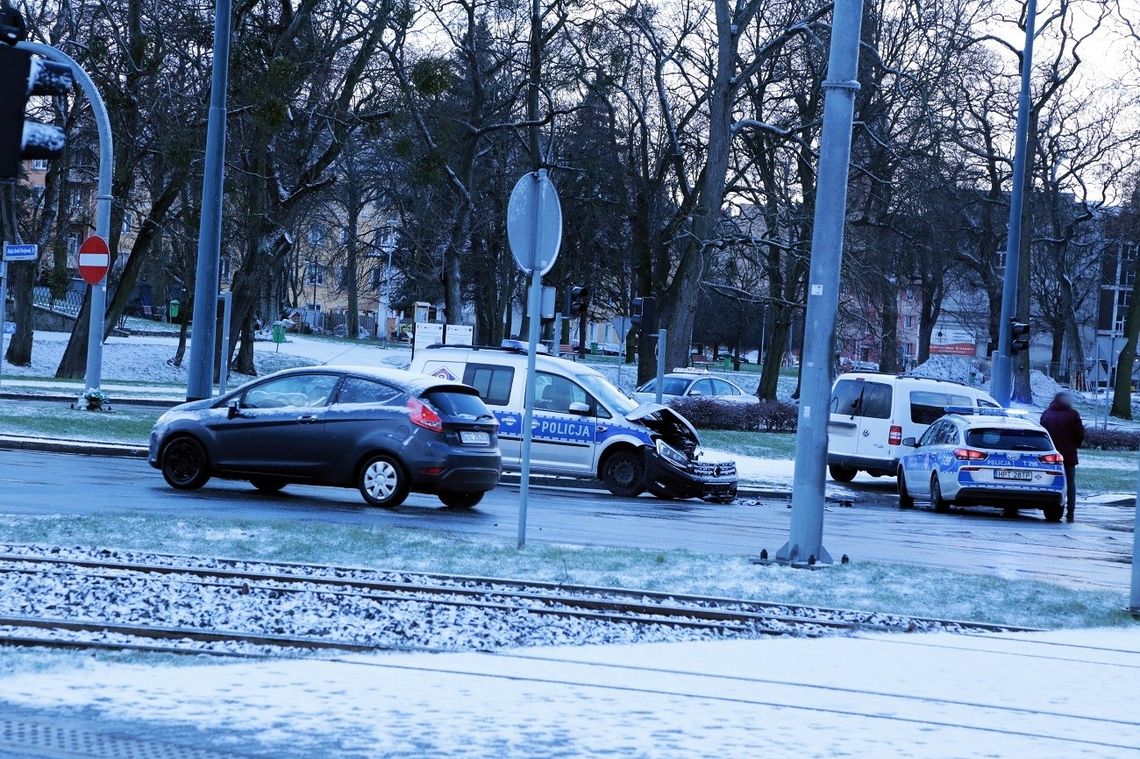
1068	432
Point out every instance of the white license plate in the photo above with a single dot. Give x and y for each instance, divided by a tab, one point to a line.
1012	474
468	437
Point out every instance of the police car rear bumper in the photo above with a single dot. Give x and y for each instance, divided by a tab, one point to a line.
1026	497
711	481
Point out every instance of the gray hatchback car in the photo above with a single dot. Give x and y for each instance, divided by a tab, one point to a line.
384	431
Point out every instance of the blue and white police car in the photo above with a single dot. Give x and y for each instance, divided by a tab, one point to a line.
983	457
583	425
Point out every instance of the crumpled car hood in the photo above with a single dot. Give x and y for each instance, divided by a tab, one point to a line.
673	428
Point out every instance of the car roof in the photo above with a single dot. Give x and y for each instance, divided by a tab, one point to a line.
905	378
408	381
995	421
508	357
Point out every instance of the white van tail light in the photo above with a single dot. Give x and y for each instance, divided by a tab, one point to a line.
895	437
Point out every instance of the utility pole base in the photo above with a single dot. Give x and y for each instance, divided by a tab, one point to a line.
790	556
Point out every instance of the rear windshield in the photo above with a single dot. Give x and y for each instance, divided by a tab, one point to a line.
456	404
862	398
928	406
1009	440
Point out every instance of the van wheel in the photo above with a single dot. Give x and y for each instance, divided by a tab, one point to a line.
623	473
936	500
906	500
842	473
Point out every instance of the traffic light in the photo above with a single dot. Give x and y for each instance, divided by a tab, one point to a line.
644	313
24	75
579	301
1018	337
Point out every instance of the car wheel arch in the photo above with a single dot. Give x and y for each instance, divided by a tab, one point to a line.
364	457
616	447
177	435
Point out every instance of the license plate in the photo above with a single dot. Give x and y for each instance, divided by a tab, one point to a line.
468	437
1012	474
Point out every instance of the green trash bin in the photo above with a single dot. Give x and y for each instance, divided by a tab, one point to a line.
727	364
594	348
278	333
173	309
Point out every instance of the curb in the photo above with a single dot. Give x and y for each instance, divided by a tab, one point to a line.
56	398
89	448
125	450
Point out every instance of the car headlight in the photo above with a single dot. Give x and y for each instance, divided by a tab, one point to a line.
672	455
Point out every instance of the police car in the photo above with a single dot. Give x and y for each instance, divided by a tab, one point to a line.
983	457
583	425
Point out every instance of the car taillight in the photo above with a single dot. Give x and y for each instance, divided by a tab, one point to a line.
895	436
967	454
424	415
1051	458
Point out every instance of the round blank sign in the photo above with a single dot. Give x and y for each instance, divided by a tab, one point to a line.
534	222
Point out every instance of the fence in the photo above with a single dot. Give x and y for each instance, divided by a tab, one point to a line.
69	305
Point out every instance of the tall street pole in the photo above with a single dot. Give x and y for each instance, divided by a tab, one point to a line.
805	541
201	381
1001	386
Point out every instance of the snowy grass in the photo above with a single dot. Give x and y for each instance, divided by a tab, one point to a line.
867	586
58	421
765	445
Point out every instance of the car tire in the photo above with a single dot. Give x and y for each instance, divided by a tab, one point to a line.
1053	513
267	484
184	464
906	500
465	499
936	500
842	473
623	472
382	481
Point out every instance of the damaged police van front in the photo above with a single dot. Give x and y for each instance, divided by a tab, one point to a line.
583	425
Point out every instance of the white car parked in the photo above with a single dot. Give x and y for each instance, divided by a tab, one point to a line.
690	383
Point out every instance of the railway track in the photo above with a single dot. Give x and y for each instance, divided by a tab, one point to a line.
153	602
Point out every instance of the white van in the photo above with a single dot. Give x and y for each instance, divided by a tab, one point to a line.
584	425
872	413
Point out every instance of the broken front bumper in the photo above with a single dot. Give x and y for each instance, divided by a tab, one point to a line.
710	481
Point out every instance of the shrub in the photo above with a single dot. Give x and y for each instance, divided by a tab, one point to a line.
1112	439
712	414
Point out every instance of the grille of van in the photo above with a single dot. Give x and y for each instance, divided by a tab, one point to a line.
708	469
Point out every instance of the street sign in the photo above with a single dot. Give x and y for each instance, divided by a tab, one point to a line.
534	222
94	259
24	252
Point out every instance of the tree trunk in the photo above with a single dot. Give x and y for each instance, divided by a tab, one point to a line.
1122	387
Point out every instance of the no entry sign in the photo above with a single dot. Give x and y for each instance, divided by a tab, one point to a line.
94	260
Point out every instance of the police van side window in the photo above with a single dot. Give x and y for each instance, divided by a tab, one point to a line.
860	398
492	382
926	406
845	397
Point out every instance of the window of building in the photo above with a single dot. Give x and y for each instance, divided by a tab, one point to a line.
314	274
908	321
39	164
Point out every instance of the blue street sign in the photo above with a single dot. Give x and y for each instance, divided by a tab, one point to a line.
25	252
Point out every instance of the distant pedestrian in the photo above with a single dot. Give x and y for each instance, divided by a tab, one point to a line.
1068	432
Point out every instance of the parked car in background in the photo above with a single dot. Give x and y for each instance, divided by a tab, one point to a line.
871	413
983	457
584	425
385	432
689	383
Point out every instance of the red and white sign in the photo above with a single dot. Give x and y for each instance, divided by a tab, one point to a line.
94	260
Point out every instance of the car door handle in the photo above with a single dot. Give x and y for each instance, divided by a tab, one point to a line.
306	419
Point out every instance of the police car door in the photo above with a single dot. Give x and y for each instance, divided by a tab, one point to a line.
564	426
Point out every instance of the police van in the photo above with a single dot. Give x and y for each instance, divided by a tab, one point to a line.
871	413
583	425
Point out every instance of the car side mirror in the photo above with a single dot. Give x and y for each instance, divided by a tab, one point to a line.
910	442
232	411
579	409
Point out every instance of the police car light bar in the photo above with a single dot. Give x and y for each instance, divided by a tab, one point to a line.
986	411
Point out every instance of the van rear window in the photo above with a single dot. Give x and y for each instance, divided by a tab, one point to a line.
927	406
492	382
862	398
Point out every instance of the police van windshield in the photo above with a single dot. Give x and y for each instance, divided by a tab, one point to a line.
608	393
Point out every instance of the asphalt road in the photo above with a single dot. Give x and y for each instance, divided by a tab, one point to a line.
1095	551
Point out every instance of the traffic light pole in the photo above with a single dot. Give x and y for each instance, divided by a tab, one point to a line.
805	540
1001	370
93	377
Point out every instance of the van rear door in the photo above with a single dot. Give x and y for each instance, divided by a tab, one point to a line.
876	401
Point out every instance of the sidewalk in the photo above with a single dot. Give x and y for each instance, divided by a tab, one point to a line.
1054	694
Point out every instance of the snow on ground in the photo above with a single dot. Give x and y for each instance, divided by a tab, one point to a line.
953	368
935	695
